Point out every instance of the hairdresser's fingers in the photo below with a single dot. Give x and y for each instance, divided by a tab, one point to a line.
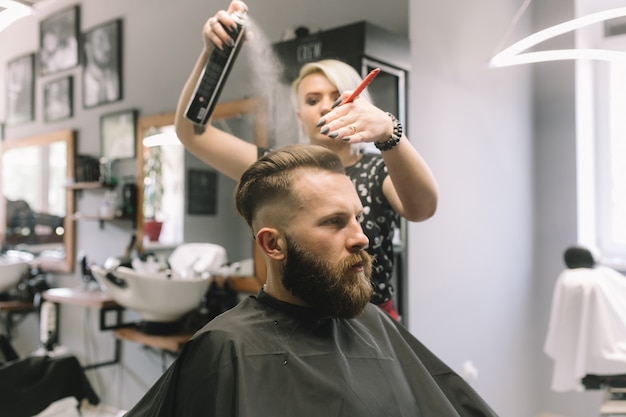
217	28
341	129
240	6
209	33
237	6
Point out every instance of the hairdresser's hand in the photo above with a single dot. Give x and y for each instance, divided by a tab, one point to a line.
215	30
358	121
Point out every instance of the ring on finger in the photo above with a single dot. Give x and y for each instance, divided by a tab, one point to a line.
212	22
353	128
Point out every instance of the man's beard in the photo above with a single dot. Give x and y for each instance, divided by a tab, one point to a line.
331	289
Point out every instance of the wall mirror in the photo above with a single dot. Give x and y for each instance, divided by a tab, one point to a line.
167	178
37	205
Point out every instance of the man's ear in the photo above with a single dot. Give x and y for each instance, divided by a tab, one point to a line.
271	243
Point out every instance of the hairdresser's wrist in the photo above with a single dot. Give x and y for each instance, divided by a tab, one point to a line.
394	138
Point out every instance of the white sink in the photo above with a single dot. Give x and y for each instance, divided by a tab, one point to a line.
13	266
155	297
164	296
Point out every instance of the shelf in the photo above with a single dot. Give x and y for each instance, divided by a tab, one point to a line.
11	308
15	306
170	343
92	185
79	216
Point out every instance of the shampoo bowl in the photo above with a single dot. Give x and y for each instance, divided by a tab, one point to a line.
13	266
156	297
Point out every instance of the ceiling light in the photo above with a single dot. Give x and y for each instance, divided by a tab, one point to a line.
513	55
10	11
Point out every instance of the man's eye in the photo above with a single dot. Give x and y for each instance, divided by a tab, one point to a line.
334	221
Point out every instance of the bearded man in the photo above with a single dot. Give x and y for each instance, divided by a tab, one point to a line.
310	343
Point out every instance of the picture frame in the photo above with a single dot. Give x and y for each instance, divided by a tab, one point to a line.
20	90
58	99
201	192
102	64
118	134
59	41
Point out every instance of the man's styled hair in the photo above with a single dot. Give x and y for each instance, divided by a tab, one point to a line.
271	177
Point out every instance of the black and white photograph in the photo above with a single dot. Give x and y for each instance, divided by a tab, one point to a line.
102	80
59	41
117	134
20	90
57	99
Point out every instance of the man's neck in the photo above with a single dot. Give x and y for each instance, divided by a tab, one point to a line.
279	292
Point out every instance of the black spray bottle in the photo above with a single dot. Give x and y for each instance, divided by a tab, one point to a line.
215	74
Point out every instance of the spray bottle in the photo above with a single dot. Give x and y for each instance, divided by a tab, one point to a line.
215	74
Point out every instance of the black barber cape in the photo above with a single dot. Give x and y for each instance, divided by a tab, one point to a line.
267	358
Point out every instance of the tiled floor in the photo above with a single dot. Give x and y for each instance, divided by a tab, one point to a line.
100	411
67	407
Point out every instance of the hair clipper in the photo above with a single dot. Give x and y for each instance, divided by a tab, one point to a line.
215	74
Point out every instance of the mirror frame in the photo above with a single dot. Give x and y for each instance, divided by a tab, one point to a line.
69	137
226	110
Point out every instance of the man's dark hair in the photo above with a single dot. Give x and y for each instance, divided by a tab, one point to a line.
271	176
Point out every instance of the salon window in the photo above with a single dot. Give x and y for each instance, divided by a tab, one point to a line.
608	171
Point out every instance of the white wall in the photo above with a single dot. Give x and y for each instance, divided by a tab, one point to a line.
500	143
470	266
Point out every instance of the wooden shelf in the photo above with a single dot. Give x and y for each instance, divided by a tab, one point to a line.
14	306
92	185
170	343
81	216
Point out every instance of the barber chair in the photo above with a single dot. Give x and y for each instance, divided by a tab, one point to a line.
587	330
29	385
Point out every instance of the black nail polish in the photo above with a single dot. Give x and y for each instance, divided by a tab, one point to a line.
336	103
346	139
333	135
321	123
324	130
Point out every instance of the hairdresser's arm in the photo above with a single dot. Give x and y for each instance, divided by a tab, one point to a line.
410	188
221	150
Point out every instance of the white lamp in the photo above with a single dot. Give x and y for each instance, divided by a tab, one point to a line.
12	11
513	55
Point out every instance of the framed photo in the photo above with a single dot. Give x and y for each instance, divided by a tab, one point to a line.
57	99
20	90
58	41
201	191
102	66
118	134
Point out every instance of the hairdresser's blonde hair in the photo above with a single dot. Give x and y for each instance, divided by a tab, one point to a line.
342	76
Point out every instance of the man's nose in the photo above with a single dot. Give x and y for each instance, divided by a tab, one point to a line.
357	239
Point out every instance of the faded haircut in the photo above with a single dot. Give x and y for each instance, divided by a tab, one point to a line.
271	177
